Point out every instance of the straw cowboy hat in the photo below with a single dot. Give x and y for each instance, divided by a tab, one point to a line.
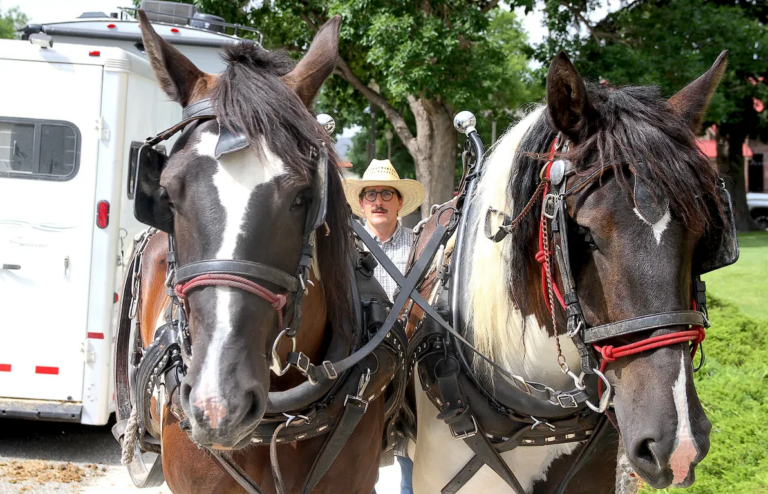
382	173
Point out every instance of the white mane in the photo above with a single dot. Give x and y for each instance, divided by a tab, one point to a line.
497	324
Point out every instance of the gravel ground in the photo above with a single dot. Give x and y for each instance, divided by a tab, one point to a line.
50	457
57	458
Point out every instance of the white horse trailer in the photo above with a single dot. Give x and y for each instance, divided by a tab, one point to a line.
72	118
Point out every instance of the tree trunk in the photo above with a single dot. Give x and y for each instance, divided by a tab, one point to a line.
730	162
434	150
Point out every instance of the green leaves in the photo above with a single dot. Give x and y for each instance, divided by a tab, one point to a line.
11	20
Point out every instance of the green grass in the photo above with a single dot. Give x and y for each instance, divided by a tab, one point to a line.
733	384
745	283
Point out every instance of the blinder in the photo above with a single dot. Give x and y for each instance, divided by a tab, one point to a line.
151	204
719	247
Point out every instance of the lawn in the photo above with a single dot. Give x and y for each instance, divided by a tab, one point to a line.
733	384
746	282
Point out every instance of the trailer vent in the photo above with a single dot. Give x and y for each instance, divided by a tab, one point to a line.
118	64
168	12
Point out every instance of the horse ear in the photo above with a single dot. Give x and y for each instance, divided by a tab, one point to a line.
310	73
567	99
177	76
690	104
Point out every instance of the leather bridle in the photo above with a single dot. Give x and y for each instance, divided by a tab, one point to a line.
554	243
238	273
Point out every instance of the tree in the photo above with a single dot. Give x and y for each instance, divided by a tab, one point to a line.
518	87
670	43
428	58
10	21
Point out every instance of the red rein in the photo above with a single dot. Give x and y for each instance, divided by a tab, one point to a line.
277	301
610	353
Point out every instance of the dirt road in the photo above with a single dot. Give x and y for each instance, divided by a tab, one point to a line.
56	458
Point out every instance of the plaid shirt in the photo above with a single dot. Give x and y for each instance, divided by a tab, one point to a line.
397	247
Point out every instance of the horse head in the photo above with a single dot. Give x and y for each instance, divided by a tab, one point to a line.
634	231
246	189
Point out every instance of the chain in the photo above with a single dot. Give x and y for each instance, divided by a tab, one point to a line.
547	266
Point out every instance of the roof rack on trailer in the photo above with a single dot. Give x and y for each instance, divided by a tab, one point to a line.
208	20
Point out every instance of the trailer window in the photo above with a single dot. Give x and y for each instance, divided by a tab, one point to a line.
38	149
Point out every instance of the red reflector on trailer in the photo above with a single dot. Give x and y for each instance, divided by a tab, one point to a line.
96	336
94	53
54	371
111	26
174	30
117	297
5	367
102	214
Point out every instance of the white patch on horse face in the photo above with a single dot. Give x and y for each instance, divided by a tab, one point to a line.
237	177
685	449
658	227
439	457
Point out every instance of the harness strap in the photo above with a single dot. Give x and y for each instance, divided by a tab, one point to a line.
354	409
488	455
586	454
237	267
233	469
330	370
645	323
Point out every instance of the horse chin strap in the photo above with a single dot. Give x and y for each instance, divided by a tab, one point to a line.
553	249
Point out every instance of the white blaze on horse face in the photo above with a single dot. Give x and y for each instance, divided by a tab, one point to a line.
685	448
658	227
237	177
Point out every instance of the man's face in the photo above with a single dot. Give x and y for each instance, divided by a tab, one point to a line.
379	212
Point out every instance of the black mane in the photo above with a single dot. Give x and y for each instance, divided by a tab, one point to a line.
251	97
634	126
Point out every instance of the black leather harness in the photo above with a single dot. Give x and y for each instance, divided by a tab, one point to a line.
365	370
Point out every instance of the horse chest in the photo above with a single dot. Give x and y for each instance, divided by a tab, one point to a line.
439	457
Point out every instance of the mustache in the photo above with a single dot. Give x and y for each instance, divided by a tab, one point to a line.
379	210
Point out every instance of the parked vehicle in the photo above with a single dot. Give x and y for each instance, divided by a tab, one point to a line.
758	207
77	101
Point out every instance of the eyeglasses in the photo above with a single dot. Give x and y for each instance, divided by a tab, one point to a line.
370	195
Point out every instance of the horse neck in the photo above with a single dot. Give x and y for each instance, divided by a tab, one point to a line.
311	338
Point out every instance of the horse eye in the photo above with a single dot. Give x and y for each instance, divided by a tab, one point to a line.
586	237
301	200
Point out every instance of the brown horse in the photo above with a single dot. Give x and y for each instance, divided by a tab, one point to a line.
629	257
250	205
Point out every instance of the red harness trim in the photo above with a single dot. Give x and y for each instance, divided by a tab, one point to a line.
609	353
276	300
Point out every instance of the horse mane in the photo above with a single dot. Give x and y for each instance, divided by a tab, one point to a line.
634	126
251	97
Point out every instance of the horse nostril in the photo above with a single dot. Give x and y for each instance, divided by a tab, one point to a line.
644	452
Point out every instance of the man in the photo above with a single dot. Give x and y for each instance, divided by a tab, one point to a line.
380	197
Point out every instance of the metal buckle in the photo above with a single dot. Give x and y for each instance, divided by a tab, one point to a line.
357	401
550	200
605	400
566	401
464	435
304	369
538	422
331	371
276	366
